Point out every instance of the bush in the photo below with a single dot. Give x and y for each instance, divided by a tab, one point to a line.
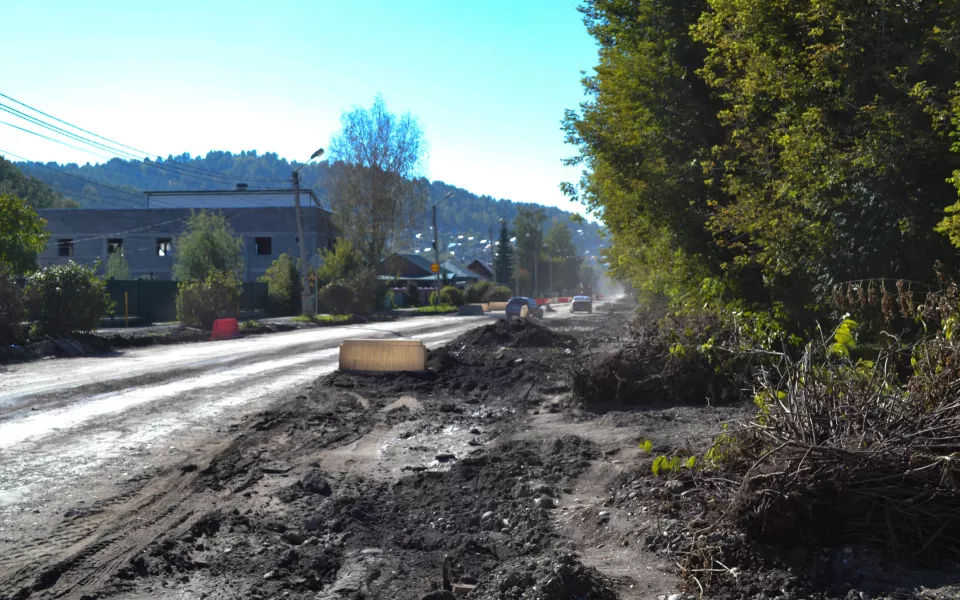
501	293
452	296
338	298
67	298
411	296
200	303
12	312
283	282
479	292
339	264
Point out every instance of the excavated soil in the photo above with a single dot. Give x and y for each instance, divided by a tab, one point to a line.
481	479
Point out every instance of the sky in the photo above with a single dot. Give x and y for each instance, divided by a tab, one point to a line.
488	81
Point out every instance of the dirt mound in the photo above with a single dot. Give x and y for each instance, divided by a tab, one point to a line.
553	576
514	333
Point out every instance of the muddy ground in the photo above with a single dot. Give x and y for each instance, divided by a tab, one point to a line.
484	476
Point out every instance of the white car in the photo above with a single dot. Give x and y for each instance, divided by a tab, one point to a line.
582	303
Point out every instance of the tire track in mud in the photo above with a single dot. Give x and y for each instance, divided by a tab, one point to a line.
94	546
82	555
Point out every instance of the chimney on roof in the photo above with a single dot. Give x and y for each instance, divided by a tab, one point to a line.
241	187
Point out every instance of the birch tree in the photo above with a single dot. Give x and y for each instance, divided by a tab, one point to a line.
377	190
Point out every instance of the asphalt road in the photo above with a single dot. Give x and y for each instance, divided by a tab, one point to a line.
75	431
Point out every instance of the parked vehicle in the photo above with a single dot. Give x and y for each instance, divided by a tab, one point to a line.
584	303
519	306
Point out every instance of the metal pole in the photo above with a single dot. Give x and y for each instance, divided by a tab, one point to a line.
492	255
436	250
536	271
126	309
305	306
516	270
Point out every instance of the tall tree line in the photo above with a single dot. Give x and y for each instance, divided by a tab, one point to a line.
765	151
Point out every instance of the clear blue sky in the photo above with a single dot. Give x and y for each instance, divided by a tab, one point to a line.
488	80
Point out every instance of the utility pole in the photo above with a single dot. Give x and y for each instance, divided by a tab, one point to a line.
436	250
305	304
516	269
436	241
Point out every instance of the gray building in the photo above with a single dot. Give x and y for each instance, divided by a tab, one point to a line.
264	219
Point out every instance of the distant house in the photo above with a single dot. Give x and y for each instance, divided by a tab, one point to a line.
264	220
402	268
482	269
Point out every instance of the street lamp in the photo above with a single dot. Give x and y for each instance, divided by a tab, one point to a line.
305	304
436	243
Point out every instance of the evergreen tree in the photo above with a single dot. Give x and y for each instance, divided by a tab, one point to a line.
503	262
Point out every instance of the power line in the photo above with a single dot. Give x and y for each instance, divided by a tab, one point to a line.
54	140
225	179
61	131
141	152
43	166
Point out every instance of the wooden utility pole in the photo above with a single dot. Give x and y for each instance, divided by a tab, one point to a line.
305	305
436	250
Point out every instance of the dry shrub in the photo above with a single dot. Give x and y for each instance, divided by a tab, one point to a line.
692	358
849	454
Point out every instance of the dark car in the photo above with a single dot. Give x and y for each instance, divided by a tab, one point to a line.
584	303
515	308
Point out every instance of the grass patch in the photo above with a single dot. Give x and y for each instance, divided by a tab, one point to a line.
439	309
251	324
324	319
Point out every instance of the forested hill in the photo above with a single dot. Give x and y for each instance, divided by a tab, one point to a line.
120	183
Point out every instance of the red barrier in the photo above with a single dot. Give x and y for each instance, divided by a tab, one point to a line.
225	329
563	300
542	301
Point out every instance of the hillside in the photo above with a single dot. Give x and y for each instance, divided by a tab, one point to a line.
119	183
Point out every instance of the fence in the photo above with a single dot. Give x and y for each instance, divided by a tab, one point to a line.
156	301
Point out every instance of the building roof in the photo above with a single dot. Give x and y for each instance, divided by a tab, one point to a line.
454	270
241	196
418	260
482	264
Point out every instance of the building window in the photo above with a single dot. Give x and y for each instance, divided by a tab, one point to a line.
65	247
264	246
164	246
114	245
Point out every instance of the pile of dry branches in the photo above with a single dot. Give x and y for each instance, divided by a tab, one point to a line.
851	454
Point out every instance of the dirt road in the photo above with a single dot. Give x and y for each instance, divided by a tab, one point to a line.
76	431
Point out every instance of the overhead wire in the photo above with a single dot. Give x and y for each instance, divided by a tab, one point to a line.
141	152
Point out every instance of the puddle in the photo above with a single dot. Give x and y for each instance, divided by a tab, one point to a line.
404	448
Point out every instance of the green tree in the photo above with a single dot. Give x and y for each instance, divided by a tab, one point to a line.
529	233
283	286
339	263
833	168
648	125
562	253
207	245
33	191
344	268
117	267
503	262
22	234
377	190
